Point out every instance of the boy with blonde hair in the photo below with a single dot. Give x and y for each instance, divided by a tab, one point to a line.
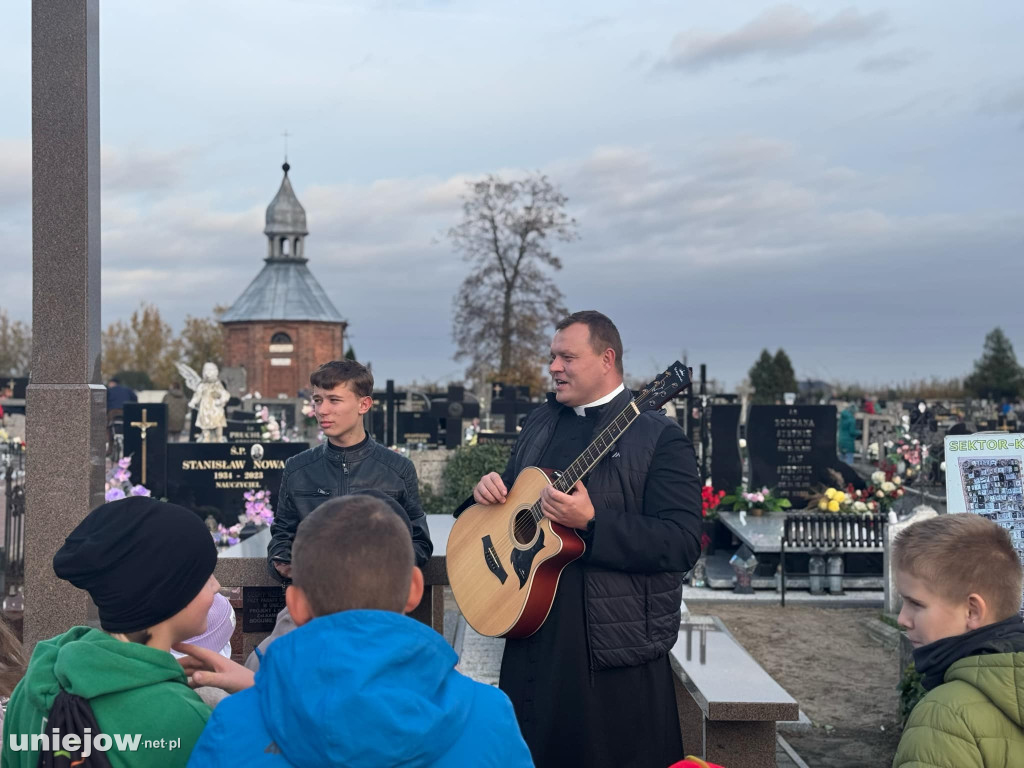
961	583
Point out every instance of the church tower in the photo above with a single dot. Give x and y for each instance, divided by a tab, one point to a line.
283	326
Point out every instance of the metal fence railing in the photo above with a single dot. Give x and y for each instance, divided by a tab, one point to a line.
12	465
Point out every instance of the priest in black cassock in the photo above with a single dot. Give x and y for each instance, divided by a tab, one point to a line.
593	686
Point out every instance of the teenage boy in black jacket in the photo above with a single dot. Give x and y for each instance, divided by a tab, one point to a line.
348	462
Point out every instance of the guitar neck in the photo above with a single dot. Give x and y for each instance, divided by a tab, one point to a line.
597	449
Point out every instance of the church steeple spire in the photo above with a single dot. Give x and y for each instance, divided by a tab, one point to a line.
286	224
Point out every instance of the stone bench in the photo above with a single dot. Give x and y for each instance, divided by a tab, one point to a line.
728	705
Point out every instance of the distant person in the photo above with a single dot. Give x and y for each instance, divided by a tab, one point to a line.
177	410
118	395
869	407
357	683
961	582
347	461
848	433
148	567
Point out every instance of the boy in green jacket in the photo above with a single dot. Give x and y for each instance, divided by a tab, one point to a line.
961	583
148	567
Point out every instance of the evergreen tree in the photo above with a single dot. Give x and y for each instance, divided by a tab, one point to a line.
997	375
763	378
350	353
785	376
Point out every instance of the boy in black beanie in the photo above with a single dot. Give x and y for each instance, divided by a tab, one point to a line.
148	567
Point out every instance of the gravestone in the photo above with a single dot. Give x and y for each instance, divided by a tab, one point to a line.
260	606
14	387
212	478
417	427
497	438
791	448
244	431
234	379
145	440
511	402
451	412
726	462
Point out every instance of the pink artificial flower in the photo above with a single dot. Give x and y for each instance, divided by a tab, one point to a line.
140	490
114	494
124	462
122	476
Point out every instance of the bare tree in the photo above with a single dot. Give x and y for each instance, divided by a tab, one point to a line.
508	303
15	346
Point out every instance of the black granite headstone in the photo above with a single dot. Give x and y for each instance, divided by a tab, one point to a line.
212	478
243	431
145	440
451	412
497	438
512	402
791	447
260	606
726	462
417	427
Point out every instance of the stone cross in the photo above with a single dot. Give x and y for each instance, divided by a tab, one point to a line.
142	426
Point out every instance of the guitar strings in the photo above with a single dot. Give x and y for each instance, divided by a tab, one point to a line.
522	526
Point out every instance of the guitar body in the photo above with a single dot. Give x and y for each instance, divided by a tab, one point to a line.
503	566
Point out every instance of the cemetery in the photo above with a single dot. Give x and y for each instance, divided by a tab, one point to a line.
793	647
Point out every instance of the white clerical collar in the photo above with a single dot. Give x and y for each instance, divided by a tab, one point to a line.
581	410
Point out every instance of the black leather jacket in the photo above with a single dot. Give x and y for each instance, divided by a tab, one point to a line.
319	474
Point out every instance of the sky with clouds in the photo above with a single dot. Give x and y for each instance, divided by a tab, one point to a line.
841	181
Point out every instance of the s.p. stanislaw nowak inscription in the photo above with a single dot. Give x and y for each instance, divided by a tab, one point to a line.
208	464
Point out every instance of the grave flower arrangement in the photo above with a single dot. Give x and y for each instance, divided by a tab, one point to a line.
258	513
905	456
755	502
118	484
884	490
709	501
270	430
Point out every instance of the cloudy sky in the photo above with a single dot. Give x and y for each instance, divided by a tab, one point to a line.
841	181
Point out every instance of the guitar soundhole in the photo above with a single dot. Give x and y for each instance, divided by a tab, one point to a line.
524	528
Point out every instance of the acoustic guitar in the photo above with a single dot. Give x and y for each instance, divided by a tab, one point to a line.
504	560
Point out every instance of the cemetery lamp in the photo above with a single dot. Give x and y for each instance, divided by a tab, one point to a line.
743	564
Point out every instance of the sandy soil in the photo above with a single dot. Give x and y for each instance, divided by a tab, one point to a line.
828	662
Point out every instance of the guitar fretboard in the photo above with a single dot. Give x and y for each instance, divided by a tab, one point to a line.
593	454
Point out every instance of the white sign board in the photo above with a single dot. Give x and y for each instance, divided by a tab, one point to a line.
985	476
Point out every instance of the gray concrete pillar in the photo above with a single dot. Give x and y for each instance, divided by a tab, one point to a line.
66	401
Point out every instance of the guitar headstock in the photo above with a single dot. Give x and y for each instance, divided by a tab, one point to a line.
674	381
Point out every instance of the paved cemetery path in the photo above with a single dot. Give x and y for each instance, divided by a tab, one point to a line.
481	660
843	678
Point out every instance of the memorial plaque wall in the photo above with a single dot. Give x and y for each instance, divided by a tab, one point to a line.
212	478
791	447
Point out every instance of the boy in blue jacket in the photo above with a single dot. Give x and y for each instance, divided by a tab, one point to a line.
357	683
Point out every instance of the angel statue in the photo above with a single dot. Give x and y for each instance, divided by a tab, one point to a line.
209	399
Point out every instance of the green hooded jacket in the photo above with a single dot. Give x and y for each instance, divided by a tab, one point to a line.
133	689
974	719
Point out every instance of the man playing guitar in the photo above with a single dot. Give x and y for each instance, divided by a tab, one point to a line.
593	686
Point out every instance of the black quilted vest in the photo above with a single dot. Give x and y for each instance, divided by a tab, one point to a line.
632	618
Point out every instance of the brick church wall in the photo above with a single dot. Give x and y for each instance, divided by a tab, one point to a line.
248	345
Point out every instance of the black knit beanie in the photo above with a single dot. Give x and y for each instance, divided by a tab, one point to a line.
141	561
